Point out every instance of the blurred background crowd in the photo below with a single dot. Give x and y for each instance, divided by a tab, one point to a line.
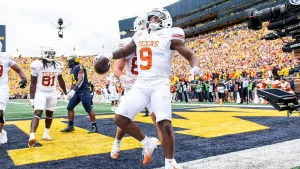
228	56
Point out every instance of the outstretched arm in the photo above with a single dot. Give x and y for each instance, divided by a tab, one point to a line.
33	86
80	78
18	70
119	67
123	52
186	52
62	84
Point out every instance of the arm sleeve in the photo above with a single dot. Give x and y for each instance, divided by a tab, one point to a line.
177	33
34	71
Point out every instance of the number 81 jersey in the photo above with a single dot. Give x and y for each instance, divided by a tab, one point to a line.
154	53
46	76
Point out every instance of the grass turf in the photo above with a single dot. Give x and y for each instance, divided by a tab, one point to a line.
20	109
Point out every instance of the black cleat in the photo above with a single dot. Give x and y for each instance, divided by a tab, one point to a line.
93	130
68	129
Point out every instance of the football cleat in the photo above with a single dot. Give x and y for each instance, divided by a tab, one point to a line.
115	152
3	137
148	150
68	129
172	165
47	137
115	155
93	130
31	142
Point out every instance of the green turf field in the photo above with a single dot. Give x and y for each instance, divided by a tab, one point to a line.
21	109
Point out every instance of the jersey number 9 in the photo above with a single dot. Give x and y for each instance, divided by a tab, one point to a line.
146	55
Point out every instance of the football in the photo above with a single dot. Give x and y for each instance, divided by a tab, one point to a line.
102	65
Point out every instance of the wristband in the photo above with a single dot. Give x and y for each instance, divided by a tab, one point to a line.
123	78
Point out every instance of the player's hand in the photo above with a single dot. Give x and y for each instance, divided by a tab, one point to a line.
71	93
23	83
196	71
31	102
130	81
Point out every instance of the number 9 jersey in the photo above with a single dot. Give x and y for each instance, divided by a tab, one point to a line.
46	74
154	53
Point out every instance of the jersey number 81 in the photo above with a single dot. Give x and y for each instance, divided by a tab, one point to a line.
48	81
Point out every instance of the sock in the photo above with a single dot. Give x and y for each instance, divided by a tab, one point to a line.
117	142
169	161
94	124
144	141
46	132
70	123
32	136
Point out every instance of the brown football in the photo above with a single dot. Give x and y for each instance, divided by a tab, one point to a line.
102	65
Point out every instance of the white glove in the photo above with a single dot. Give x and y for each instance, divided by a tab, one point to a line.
128	81
31	102
71	93
196	71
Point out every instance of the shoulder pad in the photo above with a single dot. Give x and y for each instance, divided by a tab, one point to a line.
124	42
36	64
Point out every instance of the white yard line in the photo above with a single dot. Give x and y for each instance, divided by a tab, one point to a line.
283	155
224	105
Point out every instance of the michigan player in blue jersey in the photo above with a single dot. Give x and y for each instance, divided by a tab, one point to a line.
81	93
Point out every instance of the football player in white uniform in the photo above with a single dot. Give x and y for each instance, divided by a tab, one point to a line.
155	48
5	65
112	90
128	80
44	74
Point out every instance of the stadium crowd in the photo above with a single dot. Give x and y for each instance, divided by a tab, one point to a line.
227	55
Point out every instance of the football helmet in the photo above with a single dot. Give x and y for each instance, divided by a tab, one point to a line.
48	53
140	23
164	16
73	60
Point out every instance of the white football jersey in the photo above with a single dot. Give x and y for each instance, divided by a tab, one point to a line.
112	83
5	64
131	64
154	55
46	77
